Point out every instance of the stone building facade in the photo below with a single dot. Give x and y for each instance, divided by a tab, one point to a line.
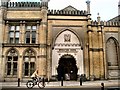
58	43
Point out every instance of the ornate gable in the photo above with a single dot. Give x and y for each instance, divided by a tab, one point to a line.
69	8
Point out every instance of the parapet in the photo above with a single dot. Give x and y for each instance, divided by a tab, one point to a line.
70	12
105	23
24	4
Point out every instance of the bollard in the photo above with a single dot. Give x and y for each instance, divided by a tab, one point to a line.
102	86
61	81
80	81
18	82
43	80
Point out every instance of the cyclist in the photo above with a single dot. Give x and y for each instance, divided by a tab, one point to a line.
35	75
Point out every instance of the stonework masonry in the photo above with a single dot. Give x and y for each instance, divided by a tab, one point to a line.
57	43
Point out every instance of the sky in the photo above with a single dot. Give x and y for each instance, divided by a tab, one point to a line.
107	9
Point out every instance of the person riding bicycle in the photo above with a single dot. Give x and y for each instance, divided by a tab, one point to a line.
35	75
36	80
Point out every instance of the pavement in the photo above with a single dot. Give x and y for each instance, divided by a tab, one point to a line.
66	84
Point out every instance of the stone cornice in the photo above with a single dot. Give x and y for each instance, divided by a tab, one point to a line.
19	45
67	25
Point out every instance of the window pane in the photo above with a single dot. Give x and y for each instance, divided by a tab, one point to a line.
33	59
8	68
26	69
15	58
17	28
27	40
17	34
26	59
33	37
32	69
33	40
14	68
27	37
28	27
27	34
9	58
34	27
11	34
11	40
33	34
16	40
12	28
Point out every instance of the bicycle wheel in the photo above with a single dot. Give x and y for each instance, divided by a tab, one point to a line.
41	85
30	84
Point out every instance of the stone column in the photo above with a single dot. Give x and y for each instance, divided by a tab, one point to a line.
42	61
91	54
42	70
20	41
37	32
20	67
49	49
23	32
101	54
3	64
6	32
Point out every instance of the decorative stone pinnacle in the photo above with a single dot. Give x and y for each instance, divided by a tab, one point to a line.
88	6
88	1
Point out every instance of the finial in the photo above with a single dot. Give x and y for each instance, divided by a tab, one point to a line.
98	18
88	6
119	7
98	14
88	1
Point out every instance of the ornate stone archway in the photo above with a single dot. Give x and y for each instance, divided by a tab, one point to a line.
67	43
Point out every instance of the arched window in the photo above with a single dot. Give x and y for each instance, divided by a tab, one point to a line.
112	52
12	63
29	62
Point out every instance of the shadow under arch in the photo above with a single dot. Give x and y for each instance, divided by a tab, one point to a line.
67	68
32	50
12	48
67	29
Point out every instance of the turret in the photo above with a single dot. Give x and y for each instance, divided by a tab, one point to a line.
44	3
1	1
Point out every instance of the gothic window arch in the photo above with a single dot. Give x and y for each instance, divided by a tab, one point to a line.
29	64
12	63
112	52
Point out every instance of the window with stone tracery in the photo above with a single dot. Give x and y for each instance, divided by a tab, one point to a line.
30	34
29	63
12	63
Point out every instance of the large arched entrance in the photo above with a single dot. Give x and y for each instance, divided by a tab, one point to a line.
67	68
67	56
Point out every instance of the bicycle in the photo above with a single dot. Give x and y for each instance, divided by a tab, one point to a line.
37	81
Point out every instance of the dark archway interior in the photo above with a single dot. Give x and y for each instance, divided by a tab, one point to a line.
67	68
